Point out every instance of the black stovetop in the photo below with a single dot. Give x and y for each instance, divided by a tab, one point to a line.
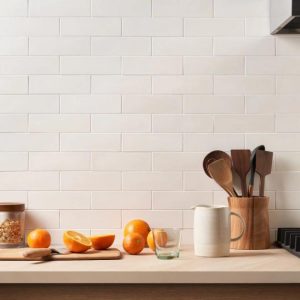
289	239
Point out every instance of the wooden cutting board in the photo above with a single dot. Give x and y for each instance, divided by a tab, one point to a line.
17	254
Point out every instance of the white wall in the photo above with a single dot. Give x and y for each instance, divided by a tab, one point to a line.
108	107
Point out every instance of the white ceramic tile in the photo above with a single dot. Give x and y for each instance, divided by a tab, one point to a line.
13	85
180	200
288	85
121	200
13	46
152	142
241	8
14	196
42	219
288	123
121	161
284	218
90	180
11	65
152	65
89	142
198	181
20	181
56	161
59	200
213	27
257	26
121	123
244	46
183	8
188	218
121	46
155	218
287	161
214	65
90	104
147	181
289	45
190	84
13	161
13	123
59	46
121	8
13	8
10	104
90	65
59	84
91	26
207	104
182	123
59	123
182	46
287	200
210	142
161	104
87	219
152	27
244	123
116	84
51	8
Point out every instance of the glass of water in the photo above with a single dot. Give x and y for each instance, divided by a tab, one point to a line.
167	242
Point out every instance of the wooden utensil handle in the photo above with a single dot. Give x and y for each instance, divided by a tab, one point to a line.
244	187
37	253
262	186
250	190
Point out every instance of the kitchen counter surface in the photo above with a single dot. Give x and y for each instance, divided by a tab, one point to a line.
263	266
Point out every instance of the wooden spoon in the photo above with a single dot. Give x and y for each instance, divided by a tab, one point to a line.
222	174
263	168
241	164
213	156
253	167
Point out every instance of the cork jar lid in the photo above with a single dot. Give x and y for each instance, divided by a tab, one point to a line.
11	206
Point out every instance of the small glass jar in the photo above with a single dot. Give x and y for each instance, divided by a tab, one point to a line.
12	219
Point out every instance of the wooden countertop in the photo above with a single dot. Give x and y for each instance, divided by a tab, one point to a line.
263	266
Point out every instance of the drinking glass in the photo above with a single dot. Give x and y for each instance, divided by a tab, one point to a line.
167	242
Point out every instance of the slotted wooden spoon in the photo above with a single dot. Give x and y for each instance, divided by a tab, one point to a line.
241	164
263	167
222	174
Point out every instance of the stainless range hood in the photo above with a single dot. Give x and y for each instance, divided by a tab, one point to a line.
285	16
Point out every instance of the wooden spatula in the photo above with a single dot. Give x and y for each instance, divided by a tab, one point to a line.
222	174
263	167
241	164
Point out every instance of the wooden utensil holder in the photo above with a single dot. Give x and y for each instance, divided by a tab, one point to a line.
254	211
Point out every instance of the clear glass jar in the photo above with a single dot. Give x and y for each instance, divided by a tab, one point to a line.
12	219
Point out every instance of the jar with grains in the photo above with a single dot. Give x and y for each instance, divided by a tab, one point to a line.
12	218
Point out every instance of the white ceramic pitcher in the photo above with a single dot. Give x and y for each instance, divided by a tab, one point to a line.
212	227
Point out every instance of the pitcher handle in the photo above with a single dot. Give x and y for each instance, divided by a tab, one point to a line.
243	227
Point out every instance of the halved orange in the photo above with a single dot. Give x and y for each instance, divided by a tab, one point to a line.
101	242
76	242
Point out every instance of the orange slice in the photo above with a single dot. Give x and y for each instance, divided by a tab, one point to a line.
102	242
76	242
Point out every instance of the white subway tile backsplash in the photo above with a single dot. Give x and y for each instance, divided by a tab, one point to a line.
59	84
91	26
90	65
90	180
182	8
121	46
214	65
121	200
121	161
152	27
59	46
108	107
149	65
116	84
213	27
121	123
51	8
182	46
190	84
59	161
89	142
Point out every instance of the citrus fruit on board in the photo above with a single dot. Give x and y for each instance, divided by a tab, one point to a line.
39	238
134	243
161	239
76	242
139	226
102	242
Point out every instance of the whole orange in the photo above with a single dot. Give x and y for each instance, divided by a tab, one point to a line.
139	226
39	238
161	239
133	243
